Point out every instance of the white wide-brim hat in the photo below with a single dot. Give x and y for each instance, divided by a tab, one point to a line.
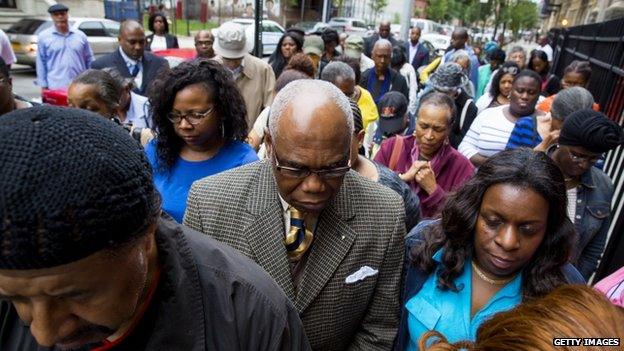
232	40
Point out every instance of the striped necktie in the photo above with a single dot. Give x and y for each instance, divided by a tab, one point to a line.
299	238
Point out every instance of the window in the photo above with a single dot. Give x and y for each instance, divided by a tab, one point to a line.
112	28
93	29
271	28
359	24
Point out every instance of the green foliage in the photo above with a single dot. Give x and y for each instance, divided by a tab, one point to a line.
438	10
377	5
522	15
396	19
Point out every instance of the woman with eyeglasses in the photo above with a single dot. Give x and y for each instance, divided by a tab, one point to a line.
585	136
200	118
500	89
490	131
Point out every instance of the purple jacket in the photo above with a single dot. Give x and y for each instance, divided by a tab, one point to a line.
451	168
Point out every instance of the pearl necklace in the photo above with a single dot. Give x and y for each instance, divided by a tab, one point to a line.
490	280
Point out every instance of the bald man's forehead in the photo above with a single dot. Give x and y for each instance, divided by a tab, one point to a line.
131	28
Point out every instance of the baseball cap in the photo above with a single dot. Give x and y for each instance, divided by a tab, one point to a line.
313	44
354	46
392	109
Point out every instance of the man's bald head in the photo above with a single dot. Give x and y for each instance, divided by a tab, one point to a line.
203	44
309	95
309	142
459	38
132	39
382	44
384	29
128	26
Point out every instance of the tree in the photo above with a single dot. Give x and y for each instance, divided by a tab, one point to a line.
437	10
523	15
377	5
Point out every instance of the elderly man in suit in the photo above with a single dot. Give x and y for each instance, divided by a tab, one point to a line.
383	32
332	239
131	59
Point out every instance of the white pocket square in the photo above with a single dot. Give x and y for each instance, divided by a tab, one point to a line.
361	274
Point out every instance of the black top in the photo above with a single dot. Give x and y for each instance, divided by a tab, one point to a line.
458	132
209	297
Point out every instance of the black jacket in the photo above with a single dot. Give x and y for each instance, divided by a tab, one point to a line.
152	65
209	297
369	43
421	58
397	82
172	41
458	132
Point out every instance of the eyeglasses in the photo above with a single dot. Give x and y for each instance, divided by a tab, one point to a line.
580	158
510	70
193	118
301	173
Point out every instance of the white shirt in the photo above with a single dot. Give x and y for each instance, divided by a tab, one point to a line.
159	42
548	50
488	133
365	63
572	195
138	112
412	52
6	51
130	63
409	73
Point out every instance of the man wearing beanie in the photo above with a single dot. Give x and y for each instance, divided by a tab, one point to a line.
584	137
88	262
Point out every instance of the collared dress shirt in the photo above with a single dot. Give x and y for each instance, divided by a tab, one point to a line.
138	113
131	64
61	57
448	312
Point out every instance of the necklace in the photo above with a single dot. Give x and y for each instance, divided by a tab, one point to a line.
490	280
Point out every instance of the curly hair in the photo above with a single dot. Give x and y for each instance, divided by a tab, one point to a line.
277	60
302	63
152	18
455	233
228	104
507	68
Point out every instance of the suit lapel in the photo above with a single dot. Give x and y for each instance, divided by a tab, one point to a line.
145	62
265	233
121	64
332	241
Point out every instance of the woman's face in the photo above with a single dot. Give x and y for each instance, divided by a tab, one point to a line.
289	47
159	25
505	84
196	99
575	160
519	58
432	129
538	65
524	94
510	227
573	79
87	97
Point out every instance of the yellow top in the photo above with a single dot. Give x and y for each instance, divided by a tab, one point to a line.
367	107
424	75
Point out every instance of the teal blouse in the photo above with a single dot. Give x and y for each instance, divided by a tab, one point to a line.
448	312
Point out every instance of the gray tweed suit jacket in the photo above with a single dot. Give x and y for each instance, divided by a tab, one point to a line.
363	226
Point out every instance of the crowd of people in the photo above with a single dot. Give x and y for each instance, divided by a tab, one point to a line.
350	194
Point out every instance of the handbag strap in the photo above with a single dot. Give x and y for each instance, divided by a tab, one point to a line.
396	152
462	118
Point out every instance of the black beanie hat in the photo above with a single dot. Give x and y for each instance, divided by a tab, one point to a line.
71	184
592	130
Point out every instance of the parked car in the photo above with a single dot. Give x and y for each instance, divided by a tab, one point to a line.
438	41
349	25
271	33
427	26
101	34
175	57
311	27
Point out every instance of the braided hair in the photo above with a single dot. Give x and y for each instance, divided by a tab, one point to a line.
228	104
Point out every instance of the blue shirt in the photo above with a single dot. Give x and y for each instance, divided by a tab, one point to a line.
448	312
174	185
524	134
61	57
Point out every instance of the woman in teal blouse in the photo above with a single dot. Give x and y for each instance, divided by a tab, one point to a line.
503	237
